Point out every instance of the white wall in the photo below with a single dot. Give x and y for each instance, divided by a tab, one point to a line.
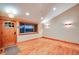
57	29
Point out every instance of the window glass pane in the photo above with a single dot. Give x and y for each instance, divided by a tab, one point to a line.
12	24
22	28
28	28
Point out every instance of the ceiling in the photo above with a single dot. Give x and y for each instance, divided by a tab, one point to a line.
38	10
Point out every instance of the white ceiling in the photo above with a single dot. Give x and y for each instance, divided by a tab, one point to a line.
38	10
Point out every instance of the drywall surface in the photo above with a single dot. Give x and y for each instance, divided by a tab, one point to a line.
58	30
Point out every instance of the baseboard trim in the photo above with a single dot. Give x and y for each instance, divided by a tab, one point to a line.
60	40
49	39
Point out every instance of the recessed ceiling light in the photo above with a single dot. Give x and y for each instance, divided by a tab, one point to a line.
54	9
27	13
10	10
11	15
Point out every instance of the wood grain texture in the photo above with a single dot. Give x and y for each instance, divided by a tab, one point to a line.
7	36
43	46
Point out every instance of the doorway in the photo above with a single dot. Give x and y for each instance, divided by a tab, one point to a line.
9	33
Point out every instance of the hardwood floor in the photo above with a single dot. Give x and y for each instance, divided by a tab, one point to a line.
43	46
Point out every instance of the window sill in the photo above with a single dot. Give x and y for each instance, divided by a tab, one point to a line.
29	33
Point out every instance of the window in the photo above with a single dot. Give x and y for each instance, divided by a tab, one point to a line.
26	28
8	24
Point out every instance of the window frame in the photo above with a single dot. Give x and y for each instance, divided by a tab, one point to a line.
26	33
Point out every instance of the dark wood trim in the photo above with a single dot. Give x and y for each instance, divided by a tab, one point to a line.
61	41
